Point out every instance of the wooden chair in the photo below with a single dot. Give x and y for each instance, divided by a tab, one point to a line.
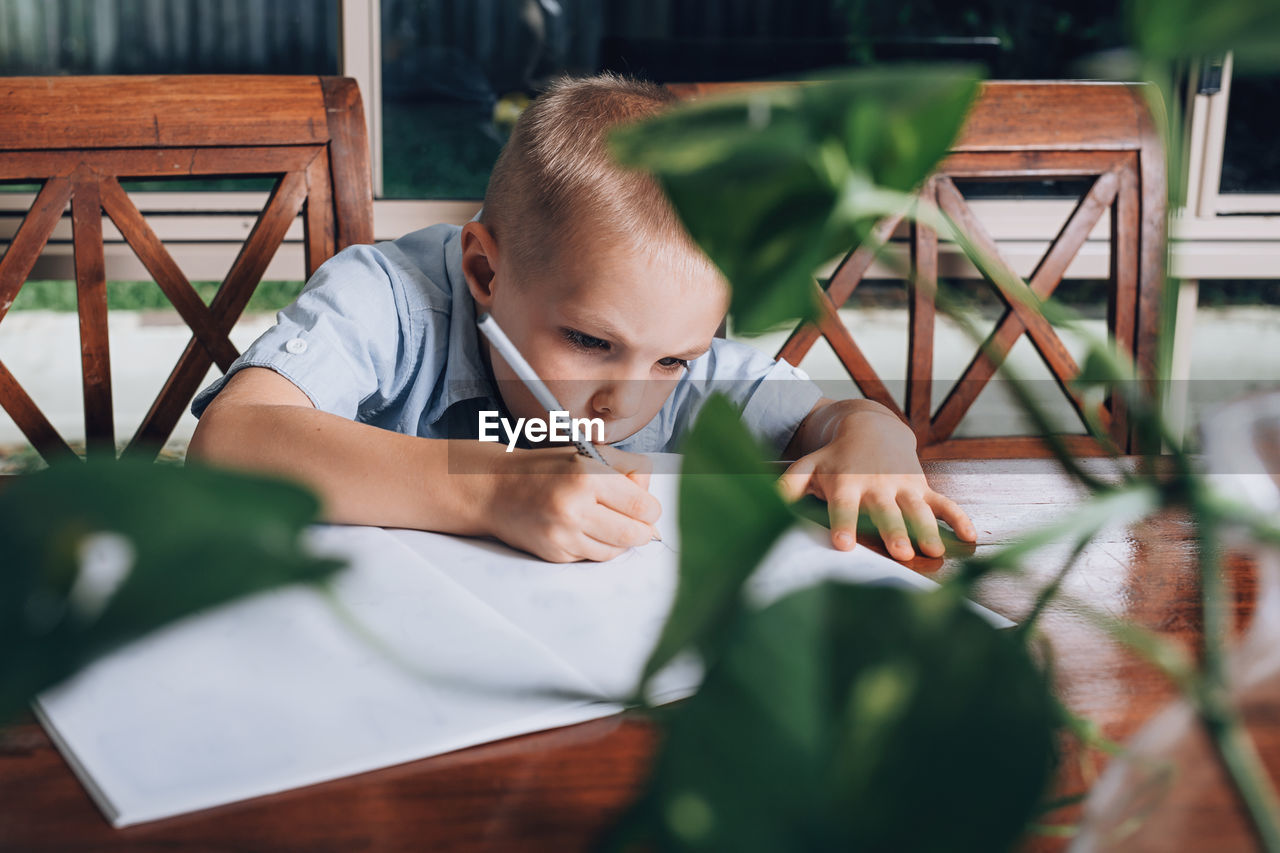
78	136
1102	132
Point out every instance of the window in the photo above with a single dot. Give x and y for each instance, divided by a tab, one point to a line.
43	37
452	73
1250	156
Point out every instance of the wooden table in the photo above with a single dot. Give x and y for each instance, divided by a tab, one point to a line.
557	790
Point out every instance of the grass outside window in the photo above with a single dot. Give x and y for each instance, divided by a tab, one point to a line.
54	295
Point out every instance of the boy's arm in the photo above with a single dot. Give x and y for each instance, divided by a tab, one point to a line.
552	503
858	456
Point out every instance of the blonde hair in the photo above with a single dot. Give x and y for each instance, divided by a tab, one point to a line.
556	176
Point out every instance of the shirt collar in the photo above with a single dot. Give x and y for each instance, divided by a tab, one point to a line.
466	376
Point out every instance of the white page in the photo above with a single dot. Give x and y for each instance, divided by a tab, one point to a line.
804	557
603	619
276	691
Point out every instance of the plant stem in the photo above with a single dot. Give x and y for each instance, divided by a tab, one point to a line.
1244	768
1051	590
1217	713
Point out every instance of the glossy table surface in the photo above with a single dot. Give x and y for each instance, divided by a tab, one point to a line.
558	790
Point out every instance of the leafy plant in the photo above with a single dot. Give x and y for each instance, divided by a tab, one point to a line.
774	750
98	554
774	182
821	715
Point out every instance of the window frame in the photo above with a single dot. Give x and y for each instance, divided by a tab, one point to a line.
1207	139
208	226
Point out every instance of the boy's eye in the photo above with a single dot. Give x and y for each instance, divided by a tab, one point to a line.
672	363
585	341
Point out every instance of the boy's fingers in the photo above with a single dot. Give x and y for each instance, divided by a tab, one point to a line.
950	512
615	529
598	552
794	482
625	496
893	530
842	509
922	522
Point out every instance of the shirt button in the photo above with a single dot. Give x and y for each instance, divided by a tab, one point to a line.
297	346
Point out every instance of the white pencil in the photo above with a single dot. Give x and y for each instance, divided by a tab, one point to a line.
531	380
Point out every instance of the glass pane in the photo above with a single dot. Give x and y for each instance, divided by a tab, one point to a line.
39	37
1057	188
446	66
1251	158
449	67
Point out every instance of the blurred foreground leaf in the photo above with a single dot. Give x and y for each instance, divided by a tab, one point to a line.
854	718
730	514
1167	30
774	182
97	554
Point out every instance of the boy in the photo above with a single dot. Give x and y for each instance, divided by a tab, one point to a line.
372	385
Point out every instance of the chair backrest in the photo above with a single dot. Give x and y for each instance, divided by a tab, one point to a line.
78	136
1099	132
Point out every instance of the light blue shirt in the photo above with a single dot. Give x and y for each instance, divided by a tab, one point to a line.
386	335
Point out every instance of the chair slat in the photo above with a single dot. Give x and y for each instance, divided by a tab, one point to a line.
318	233
157	162
31	238
1052	351
1008	447
1048	275
160	111
352	181
922	291
1151	336
855	266
27	415
147	246
841	286
1122	304
1027	165
1012	115
265	238
91	303
852	357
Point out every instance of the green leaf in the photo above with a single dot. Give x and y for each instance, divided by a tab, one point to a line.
1101	368
1179	29
762	179
730	514
98	554
854	718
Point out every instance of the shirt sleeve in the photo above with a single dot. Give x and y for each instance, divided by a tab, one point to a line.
341	341
774	397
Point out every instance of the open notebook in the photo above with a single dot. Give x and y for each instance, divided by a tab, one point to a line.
428	643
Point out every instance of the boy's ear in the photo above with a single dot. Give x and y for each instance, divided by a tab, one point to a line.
479	262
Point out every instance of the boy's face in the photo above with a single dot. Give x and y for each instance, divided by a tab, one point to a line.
609	332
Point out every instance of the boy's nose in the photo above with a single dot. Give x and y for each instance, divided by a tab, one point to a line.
619	400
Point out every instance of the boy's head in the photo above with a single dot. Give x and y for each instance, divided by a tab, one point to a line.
585	265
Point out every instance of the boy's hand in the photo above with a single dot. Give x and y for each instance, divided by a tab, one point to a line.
870	465
564	507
